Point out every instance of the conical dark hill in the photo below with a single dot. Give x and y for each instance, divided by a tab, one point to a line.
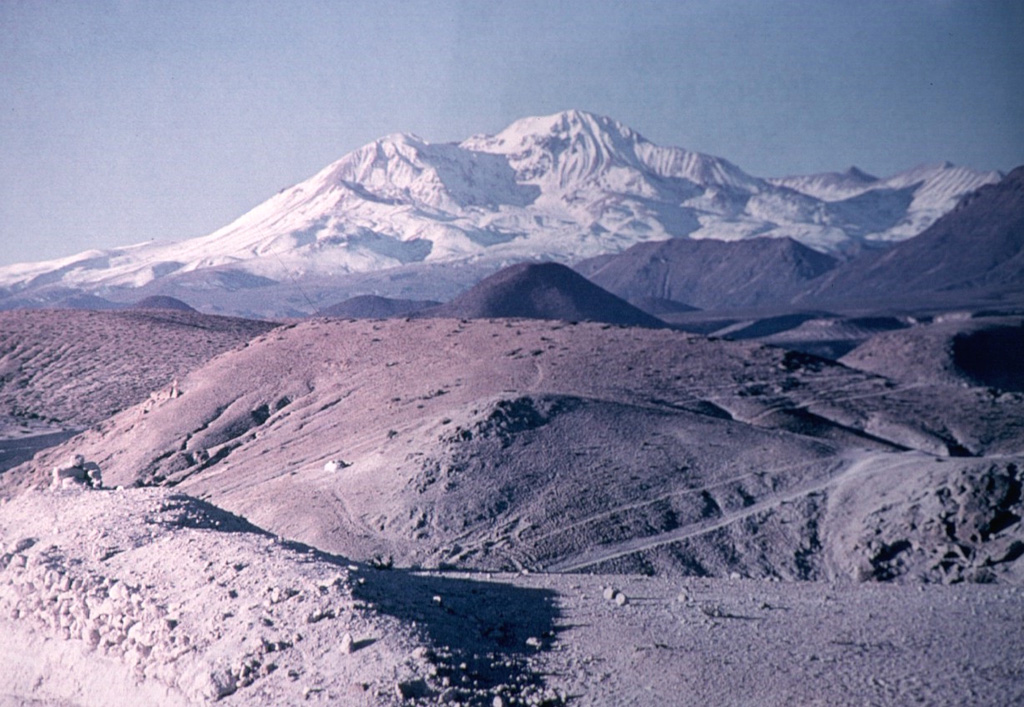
542	291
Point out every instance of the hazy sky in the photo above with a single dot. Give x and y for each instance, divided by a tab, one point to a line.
122	122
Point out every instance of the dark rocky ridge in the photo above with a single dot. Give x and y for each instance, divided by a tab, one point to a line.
974	253
976	248
710	274
163	302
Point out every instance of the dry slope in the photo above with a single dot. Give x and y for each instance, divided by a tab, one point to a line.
76	367
513	443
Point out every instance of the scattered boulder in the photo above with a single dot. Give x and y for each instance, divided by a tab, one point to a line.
613	594
412	689
76	471
210	687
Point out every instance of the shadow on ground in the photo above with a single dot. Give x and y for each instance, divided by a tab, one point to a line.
481	634
493	628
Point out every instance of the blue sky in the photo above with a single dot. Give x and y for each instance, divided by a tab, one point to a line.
122	122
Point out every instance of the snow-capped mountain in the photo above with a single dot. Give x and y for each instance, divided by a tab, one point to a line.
921	195
561	187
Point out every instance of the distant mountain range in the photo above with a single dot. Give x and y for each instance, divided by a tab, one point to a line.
564	188
978	247
975	252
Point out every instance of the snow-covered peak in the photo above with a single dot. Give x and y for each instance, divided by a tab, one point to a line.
404	169
829	186
570	125
703	170
388	167
561	187
574	148
934	186
935	190
855	173
563	151
938	183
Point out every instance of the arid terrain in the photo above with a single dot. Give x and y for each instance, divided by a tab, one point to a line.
62	371
512	511
744	473
512	354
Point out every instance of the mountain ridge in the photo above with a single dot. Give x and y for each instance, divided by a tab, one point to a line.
708	273
563	187
974	252
979	245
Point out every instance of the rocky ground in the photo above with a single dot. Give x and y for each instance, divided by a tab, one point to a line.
502	512
150	597
173	601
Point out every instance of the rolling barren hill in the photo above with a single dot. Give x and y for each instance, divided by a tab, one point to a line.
982	351
163	302
375	307
506	444
79	367
63	370
295	494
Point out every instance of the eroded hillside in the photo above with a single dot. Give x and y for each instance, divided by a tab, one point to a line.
77	367
545	445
